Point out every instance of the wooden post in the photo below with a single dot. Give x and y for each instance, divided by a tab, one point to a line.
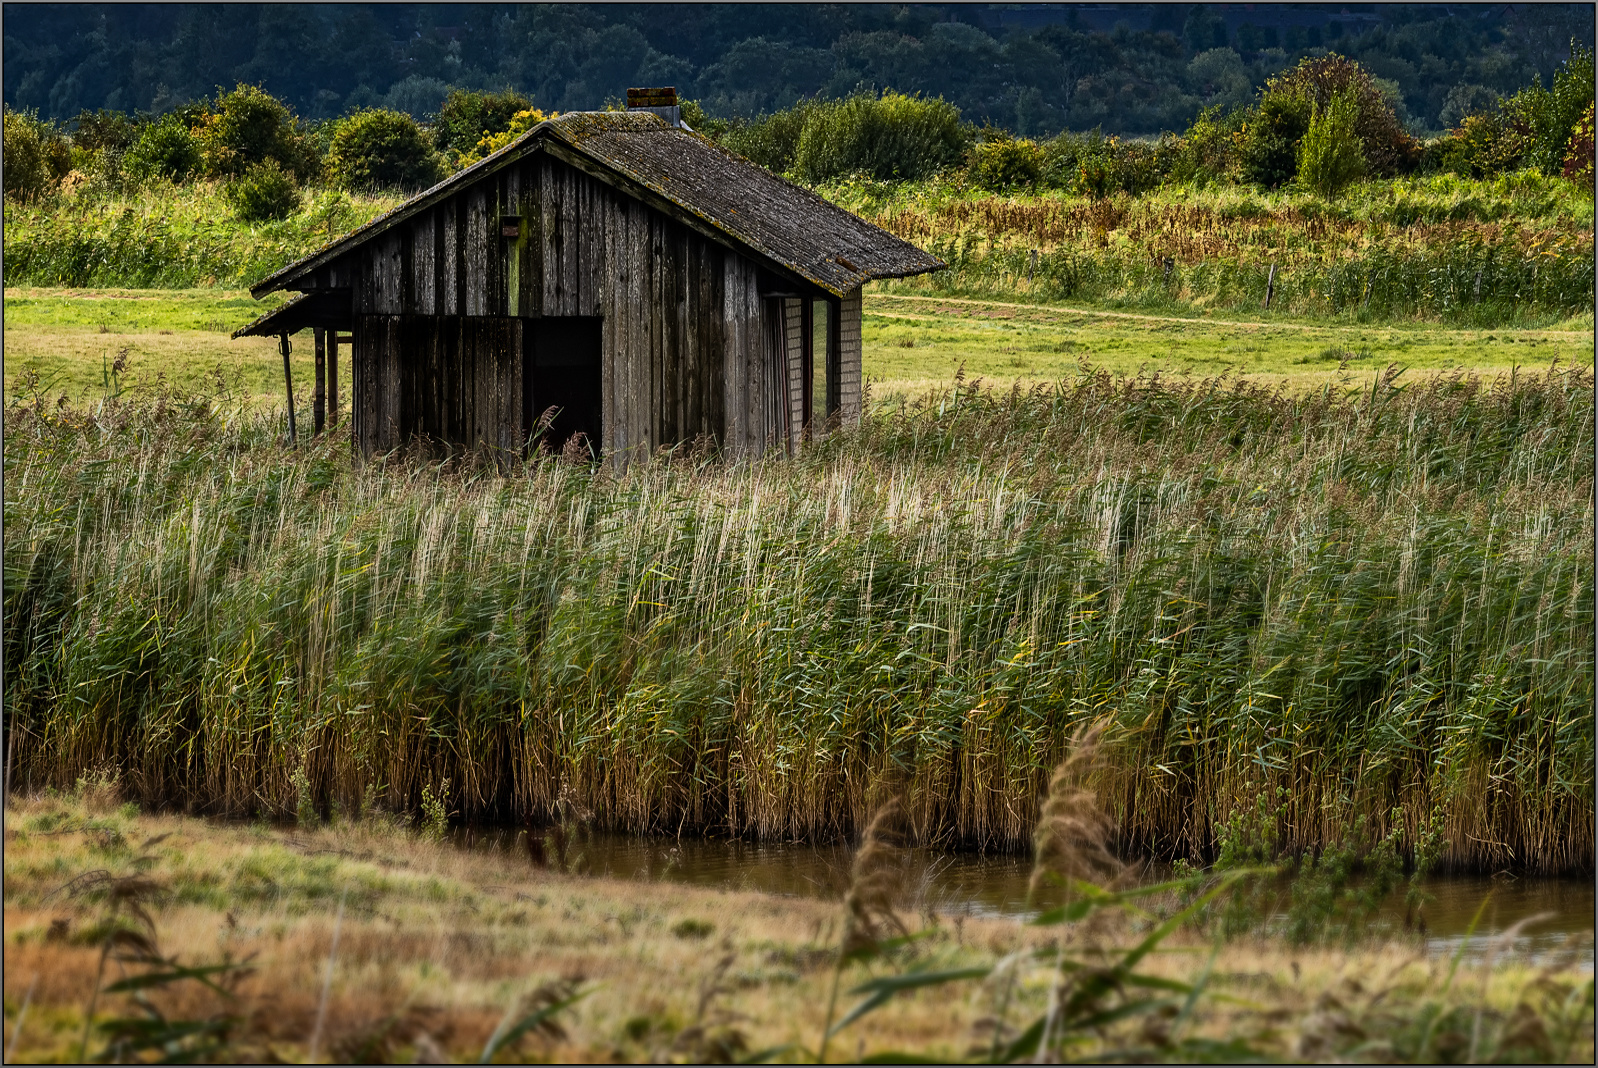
1478	286
319	394
1270	287
808	329
1370	280
332	377
834	358
288	380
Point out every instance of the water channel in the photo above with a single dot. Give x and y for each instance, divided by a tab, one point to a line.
974	884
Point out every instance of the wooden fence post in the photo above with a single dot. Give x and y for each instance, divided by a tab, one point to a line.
1270	287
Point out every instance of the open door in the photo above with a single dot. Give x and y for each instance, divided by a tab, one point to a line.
561	370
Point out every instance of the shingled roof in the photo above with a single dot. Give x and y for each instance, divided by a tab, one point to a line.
718	190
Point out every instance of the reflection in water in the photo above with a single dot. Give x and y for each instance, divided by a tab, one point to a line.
996	885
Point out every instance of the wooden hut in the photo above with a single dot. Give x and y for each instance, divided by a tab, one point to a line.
608	274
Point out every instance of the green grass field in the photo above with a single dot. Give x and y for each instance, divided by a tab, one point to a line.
913	344
70	338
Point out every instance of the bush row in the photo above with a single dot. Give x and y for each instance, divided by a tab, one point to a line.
1321	125
252	143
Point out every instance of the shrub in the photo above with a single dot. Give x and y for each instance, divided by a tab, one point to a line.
895	136
1578	165
699	120
164	149
1002	162
1329	155
1208	150
36	156
490	143
379	149
265	191
1488	144
467	116
100	140
1095	165
1548	117
1267	144
773	141
250	126
1388	149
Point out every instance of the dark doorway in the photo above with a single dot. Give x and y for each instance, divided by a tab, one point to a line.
561	370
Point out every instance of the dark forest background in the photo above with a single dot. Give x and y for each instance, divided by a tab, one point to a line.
1034	69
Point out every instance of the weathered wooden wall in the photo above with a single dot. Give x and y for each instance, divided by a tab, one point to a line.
448	378
689	344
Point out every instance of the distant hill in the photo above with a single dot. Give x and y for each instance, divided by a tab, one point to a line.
1033	68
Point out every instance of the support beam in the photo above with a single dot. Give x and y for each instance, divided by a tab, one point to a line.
288	380
335	338
834	354
332	377
319	394
809	329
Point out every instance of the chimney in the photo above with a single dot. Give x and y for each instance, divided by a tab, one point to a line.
662	102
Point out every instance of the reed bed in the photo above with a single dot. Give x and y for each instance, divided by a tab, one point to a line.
1483	253
1380	603
167	236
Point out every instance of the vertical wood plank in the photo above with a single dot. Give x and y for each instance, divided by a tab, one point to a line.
609	333
640	371
549	236
393	414
332	378
368	338
534	222
733	320
570	242
475	261
406	263
849	358
439	298
659	353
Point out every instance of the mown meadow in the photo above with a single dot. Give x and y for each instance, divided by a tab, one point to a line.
1370	613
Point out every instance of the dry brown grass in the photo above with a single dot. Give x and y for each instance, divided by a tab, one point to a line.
437	944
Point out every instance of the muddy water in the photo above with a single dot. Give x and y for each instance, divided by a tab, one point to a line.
1560	911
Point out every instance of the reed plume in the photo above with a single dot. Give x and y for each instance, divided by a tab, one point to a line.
1072	840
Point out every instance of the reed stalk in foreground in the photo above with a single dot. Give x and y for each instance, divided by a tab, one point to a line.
1378	603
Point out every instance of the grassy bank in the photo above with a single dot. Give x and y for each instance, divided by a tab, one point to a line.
1379	606
365	941
1516	250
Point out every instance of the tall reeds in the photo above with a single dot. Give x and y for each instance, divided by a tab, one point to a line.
1382	603
1482	253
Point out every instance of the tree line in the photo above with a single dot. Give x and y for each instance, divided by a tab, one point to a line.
1131	70
1324	123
